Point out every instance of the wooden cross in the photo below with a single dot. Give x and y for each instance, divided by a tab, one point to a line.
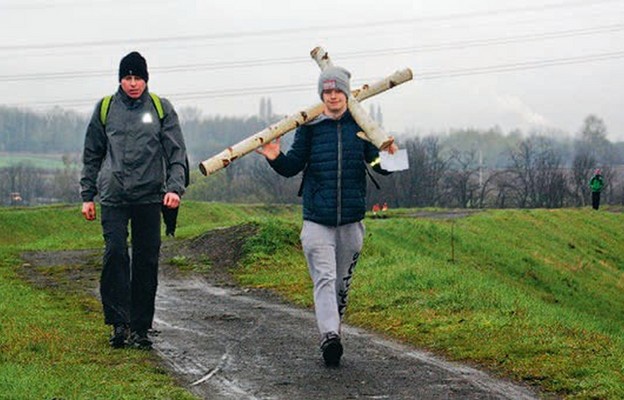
371	130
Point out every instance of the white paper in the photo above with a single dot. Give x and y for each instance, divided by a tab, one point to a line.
394	162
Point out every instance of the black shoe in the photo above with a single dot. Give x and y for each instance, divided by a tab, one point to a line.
332	349
119	336
139	340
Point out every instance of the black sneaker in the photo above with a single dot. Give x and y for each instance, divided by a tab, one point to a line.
331	349
119	336
139	340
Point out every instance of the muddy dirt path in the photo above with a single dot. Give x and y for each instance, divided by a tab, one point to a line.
225	342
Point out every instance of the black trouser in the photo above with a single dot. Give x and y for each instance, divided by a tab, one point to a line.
128	289
595	200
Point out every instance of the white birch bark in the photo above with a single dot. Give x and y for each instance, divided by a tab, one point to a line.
246	146
321	57
371	130
280	128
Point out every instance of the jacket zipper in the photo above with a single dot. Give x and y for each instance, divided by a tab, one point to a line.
339	199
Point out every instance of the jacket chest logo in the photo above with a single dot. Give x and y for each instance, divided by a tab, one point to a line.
147	118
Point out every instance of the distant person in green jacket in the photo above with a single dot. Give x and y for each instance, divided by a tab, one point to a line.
596	183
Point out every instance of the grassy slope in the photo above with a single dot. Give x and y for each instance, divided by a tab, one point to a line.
54	345
535	295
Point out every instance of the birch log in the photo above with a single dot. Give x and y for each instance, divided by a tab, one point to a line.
246	146
280	128
321	57
371	129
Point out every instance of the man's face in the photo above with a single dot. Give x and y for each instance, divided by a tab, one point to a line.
335	101
133	86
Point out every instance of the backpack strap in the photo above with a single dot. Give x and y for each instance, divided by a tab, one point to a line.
370	175
106	101
158	105
373	164
104	107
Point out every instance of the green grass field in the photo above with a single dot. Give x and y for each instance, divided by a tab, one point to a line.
43	161
533	295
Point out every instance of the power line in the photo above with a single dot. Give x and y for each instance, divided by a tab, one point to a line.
65	4
519	66
431	75
285	31
348	55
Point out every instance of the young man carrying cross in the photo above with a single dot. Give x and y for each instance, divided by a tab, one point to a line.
334	160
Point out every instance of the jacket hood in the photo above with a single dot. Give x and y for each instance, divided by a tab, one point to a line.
322	117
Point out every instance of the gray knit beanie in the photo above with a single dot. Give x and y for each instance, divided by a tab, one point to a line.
334	78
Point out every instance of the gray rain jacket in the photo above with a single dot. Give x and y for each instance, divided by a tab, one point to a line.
135	158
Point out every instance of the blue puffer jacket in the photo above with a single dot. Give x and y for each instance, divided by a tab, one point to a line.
334	158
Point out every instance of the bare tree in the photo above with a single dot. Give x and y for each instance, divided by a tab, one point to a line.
506	192
422	183
522	173
66	185
593	138
486	187
23	179
269	185
579	176
537	174
461	182
551	183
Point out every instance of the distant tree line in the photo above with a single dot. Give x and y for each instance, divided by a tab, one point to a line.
460	169
57	131
490	169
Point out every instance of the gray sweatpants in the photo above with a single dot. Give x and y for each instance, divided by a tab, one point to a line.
332	253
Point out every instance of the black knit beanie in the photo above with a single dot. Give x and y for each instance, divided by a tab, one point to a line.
133	64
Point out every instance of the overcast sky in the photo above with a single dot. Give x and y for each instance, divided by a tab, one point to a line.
535	64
